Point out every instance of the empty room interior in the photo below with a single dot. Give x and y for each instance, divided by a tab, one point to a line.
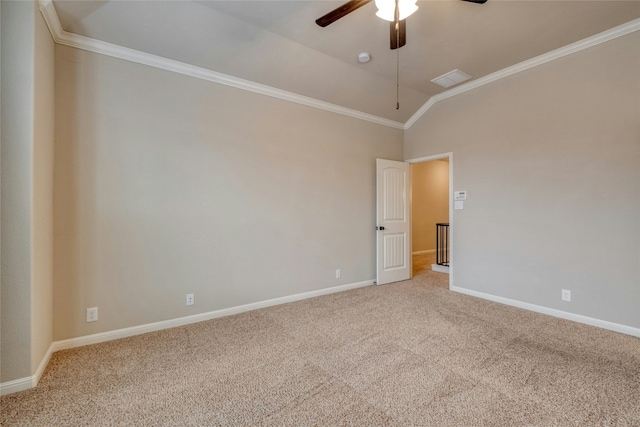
224	213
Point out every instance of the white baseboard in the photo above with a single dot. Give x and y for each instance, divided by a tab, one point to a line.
21	384
181	321
440	268
616	327
428	251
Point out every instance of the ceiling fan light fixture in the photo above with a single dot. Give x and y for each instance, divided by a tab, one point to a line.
387	8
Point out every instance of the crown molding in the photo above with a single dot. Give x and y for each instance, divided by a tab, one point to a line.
86	43
605	36
51	18
97	46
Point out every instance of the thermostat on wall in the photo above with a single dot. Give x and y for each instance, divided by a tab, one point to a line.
460	195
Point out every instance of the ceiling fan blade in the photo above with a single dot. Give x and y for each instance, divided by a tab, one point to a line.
394	42
476	1
343	10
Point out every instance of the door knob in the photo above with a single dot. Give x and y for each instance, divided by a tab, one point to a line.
380	228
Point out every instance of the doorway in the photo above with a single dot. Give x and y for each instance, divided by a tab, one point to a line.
431	179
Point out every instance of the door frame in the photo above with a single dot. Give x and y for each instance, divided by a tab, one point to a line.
448	155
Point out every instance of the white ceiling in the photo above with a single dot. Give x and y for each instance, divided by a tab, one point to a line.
278	44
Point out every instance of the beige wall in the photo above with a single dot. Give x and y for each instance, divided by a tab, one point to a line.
17	135
167	185
429	202
42	216
27	167
550	158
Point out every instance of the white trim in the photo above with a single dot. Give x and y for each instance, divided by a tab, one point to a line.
26	383
51	18
616	327
428	251
109	49
43	365
181	321
81	42
440	268
605	36
427	106
448	155
20	384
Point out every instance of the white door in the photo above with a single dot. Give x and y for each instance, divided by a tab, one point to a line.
393	228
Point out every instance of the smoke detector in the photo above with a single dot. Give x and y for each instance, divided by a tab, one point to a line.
364	57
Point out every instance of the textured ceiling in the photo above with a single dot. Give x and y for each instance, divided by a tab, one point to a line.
278	44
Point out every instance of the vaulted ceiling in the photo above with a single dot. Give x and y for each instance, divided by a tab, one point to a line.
278	44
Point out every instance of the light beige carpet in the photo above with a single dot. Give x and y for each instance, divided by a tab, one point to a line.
422	271
406	354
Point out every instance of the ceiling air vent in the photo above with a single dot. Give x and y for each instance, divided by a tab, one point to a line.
452	78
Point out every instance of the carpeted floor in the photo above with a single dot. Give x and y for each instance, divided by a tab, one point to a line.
422	271
405	354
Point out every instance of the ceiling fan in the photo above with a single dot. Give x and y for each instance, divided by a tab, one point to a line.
394	11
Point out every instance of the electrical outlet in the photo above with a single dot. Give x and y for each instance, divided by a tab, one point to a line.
566	295
190	299
338	273
92	314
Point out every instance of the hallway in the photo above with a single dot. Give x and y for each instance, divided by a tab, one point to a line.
422	271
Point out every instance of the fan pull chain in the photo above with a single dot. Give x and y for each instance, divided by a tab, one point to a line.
397	25
397	79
